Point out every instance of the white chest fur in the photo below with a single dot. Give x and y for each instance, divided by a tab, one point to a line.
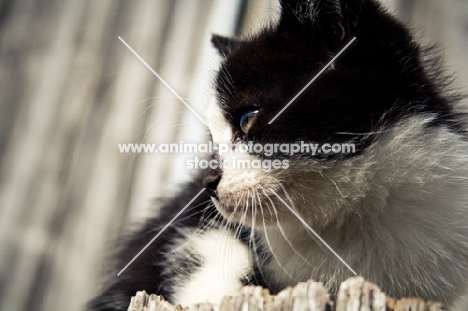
225	260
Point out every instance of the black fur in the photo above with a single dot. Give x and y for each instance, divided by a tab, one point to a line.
378	80
146	272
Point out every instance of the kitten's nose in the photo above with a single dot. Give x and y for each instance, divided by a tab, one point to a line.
211	180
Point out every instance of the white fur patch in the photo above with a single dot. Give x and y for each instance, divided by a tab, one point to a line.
225	261
219	127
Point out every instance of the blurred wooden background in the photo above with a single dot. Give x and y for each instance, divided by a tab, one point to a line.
70	91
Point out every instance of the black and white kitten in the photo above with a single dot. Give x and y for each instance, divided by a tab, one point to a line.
396	210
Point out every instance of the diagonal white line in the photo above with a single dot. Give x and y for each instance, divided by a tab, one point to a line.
160	232
311	81
312	230
162	80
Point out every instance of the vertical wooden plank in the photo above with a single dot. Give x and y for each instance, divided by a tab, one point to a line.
222	20
27	160
164	117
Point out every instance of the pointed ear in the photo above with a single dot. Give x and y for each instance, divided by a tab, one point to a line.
334	19
222	44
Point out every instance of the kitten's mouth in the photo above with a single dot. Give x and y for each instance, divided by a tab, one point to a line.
245	210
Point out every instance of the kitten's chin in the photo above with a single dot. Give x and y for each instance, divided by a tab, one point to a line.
244	214
230	212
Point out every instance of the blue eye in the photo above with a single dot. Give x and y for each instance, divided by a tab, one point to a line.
247	120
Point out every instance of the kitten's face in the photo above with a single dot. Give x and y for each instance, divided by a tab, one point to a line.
367	89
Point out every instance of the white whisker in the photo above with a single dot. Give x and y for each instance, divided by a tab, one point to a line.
313	231
271	248
283	233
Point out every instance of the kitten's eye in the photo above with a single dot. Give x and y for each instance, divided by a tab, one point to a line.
247	120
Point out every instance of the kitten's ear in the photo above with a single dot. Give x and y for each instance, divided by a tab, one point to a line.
223	44
334	19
